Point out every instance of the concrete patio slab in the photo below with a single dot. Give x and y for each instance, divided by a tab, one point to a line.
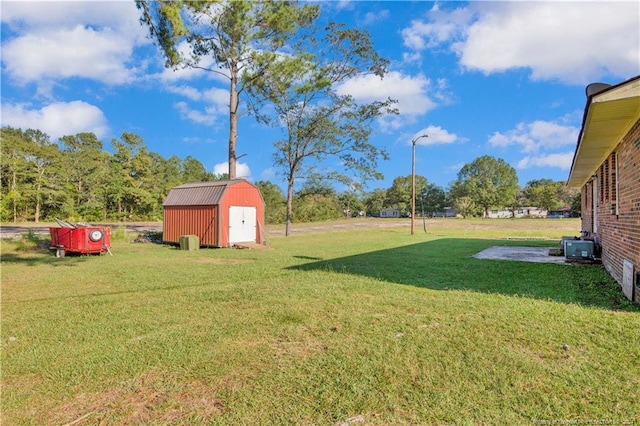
521	254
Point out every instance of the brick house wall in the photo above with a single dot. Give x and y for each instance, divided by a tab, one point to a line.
617	206
587	206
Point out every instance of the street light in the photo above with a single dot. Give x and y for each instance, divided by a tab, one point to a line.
413	179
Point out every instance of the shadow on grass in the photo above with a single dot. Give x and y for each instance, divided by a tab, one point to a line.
42	258
447	264
308	257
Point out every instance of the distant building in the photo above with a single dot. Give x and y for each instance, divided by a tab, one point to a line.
561	213
500	214
530	212
447	212
520	212
389	213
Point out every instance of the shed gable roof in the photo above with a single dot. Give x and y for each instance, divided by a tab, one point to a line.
609	116
198	194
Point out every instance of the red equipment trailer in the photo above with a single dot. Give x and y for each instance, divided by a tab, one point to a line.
80	239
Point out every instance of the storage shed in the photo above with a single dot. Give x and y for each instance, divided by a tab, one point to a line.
220	213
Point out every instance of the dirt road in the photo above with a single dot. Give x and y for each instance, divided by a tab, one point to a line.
14	231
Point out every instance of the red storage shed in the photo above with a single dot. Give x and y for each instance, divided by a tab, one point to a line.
220	213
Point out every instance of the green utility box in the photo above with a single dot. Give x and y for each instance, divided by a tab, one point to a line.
189	242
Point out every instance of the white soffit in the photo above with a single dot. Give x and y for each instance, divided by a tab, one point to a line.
610	116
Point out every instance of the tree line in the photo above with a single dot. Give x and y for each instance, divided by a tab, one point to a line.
482	185
77	179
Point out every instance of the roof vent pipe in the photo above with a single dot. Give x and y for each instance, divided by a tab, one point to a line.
595	88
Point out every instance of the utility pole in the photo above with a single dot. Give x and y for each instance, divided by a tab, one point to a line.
413	180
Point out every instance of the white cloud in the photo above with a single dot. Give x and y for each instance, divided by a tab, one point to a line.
412	93
342	4
170	75
371	18
49	41
539	139
77	52
560	160
197	141
576	43
57	119
216	100
207	117
214	96
188	92
556	40
436	135
415	36
242	170
535	136
268	174
411	58
441	27
121	15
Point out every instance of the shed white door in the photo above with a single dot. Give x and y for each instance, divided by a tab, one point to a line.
242	224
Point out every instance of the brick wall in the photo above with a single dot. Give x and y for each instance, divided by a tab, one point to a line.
587	207
618	206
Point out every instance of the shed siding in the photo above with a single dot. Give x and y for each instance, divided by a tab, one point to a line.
202	209
619	233
241	194
191	220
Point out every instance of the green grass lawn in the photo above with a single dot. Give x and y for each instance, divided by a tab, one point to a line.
365	326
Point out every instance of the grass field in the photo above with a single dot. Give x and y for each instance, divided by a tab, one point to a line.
330	326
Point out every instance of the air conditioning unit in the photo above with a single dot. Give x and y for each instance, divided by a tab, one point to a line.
579	250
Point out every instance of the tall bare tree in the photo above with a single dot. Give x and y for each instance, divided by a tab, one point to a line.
222	36
299	93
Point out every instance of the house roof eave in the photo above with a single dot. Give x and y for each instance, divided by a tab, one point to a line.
609	115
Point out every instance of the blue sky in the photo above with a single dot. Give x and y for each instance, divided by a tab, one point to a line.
505	79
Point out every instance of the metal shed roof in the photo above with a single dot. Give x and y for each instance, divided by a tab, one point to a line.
198	194
609	116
